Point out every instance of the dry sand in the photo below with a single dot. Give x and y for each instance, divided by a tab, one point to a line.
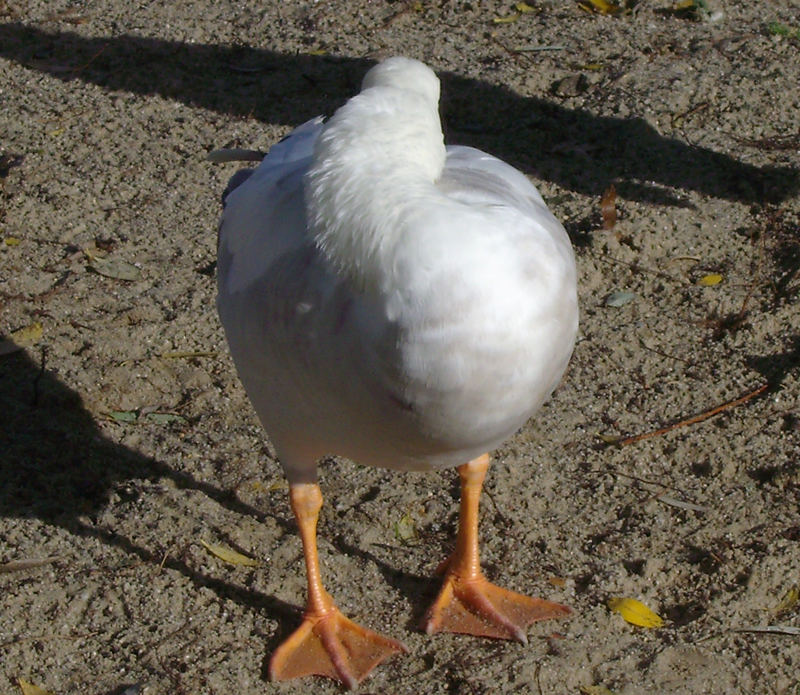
107	109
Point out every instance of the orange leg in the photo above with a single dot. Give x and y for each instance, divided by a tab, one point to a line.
326	643
467	602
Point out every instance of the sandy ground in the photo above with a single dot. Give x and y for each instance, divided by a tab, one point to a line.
126	438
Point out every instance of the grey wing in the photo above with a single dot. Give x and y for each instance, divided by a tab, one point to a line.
477	178
264	215
484	176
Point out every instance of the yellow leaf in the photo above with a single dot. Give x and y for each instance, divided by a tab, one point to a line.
11	241
710	280
506	20
229	556
21	338
600	6
596	690
635	612
790	599
30	689
405	529
524	7
92	252
27	336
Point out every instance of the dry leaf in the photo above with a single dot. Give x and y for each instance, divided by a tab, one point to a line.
228	555
569	86
21	338
596	690
405	529
618	299
505	20
115	268
608	438
710	280
635	612
124	415
608	208
12	241
93	253
524	7
30	689
165	418
790	599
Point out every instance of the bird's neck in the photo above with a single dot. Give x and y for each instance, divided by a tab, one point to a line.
375	163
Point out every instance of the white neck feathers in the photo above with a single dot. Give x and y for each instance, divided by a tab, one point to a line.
377	158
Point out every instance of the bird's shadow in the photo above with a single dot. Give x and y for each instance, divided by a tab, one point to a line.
58	466
573	148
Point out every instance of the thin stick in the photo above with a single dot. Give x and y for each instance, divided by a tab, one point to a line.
696	418
770	629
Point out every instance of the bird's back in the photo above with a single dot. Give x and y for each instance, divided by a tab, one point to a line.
439	364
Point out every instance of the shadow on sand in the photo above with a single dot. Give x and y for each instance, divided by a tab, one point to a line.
576	149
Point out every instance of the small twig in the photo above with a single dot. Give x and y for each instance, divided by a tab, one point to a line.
505	519
91	60
694	419
525	49
636	267
46	638
679	117
770	629
776	142
19	565
680	503
665	354
638	479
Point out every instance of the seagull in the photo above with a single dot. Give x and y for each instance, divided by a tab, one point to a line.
403	304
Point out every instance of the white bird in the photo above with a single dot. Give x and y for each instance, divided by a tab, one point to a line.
403	304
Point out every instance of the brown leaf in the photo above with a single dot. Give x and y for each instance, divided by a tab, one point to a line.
608	208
